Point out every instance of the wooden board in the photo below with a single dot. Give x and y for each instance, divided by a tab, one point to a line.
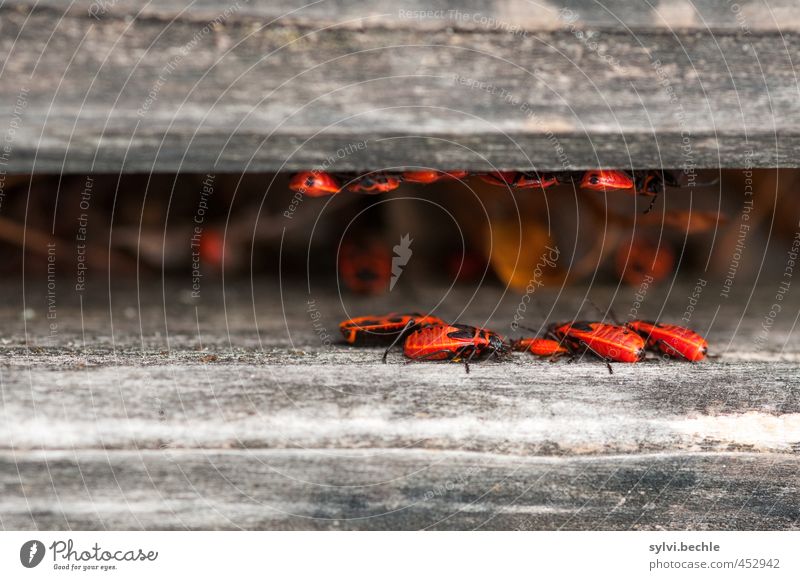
135	86
395	489
149	410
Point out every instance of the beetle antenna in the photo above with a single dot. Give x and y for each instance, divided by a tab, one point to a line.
610	312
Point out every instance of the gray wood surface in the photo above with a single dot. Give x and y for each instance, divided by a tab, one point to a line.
395	489
138	86
154	411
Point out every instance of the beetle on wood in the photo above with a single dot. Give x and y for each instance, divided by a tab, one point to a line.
454	342
672	340
385	329
609	342
544	347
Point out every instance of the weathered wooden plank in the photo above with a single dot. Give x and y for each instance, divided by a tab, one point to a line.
346	400
270	380
163	91
511	15
394	489
125	426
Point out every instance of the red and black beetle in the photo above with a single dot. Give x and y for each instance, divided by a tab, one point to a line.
454	342
650	183
383	330
674	341
314	183
432	176
376	182
641	258
520	179
365	266
654	181
609	342
602	179
545	347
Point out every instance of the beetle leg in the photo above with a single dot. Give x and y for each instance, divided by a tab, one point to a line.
469	358
403	332
558	356
573	353
459	354
598	355
652	204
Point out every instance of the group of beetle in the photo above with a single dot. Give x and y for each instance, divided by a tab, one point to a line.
429	338
648	183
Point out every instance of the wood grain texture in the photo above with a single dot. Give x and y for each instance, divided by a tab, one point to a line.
395	489
525	407
468	14
150	411
143	87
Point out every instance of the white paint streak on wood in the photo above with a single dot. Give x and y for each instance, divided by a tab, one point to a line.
762	431
578	434
676	14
